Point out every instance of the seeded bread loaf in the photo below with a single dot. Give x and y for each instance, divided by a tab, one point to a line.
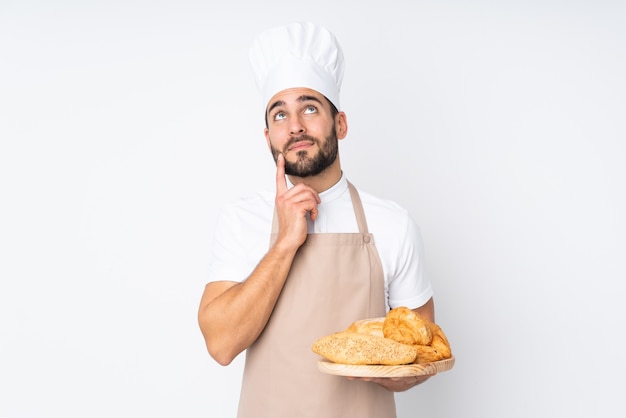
358	349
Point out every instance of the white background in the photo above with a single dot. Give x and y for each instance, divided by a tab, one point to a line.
125	125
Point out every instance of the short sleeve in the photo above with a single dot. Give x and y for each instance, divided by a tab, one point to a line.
240	240
408	285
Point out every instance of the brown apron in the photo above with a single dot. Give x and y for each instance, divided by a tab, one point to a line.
335	279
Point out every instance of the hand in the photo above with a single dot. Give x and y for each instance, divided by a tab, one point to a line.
395	384
292	206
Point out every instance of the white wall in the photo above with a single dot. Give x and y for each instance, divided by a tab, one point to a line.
125	125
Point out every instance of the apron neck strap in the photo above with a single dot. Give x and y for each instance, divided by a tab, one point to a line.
358	209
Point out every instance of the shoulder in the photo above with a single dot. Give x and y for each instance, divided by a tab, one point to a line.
386	209
241	237
256	202
392	224
247	212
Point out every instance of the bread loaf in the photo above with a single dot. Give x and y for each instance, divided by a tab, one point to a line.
401	337
359	349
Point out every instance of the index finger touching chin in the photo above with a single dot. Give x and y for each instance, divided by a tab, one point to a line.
281	181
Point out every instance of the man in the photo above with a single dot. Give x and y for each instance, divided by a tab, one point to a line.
311	258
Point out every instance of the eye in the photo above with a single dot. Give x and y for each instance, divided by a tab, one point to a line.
310	109
279	116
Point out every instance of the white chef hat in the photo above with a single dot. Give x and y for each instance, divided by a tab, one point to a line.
297	55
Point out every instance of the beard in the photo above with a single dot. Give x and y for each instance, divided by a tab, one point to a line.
305	165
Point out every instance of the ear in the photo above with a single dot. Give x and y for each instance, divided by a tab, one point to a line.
341	125
266	132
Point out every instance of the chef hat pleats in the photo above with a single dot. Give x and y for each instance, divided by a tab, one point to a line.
297	55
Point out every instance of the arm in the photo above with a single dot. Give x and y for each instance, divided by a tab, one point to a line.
401	384
427	310
231	314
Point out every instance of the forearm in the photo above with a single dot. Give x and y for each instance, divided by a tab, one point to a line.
427	310
233	315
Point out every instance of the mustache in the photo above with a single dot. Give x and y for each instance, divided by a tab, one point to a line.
296	139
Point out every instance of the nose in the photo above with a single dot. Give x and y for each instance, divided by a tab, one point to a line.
296	126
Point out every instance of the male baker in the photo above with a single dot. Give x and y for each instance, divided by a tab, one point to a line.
312	256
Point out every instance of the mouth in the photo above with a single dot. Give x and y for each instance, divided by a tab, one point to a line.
300	145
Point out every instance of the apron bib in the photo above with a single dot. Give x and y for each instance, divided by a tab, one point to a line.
335	279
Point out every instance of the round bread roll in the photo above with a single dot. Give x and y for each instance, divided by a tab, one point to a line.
372	326
405	326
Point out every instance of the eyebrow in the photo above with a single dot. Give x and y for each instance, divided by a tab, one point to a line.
303	98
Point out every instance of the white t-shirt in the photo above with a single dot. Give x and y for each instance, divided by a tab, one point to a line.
243	230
